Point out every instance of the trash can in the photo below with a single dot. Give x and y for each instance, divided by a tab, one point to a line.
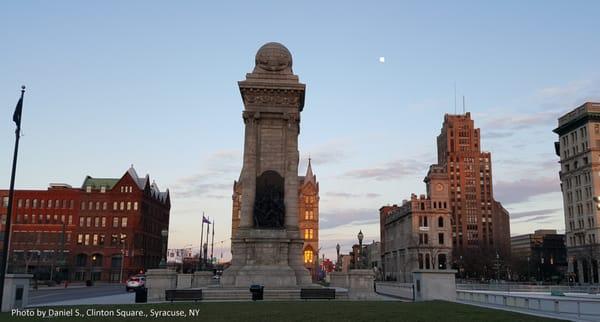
141	295
257	292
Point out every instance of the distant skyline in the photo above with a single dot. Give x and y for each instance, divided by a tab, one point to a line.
113	83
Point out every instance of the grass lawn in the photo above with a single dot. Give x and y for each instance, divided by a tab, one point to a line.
297	311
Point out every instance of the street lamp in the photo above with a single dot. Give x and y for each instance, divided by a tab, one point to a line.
337	265
163	262
359	255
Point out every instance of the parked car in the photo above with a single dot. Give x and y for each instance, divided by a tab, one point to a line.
134	282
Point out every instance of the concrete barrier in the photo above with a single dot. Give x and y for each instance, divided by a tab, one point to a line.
569	307
400	290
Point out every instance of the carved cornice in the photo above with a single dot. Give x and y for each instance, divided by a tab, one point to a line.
273	97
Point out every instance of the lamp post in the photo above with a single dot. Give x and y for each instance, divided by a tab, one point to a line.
337	264
360	252
163	262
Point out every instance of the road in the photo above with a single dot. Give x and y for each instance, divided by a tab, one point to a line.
51	295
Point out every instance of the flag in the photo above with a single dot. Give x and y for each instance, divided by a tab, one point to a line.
204	220
18	110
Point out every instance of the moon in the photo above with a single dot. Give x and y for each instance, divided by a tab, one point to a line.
382	59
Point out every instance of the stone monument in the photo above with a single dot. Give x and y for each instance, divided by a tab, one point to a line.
267	247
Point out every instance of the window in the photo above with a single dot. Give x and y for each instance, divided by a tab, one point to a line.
115	205
124	222
35	203
441	222
101	240
128	205
423	239
79	239
104	205
26	203
115	222
5	202
308	233
114	239
420	261
135	206
97	222
88	189
81	221
87	239
103	189
70	219
123	239
95	240
103	221
88	222
82	205
423	221
441	238
122	207
97	205
308	256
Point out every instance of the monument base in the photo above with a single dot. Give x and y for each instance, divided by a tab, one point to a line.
158	280
269	257
434	285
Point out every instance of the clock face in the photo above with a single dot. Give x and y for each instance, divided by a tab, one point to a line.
439	187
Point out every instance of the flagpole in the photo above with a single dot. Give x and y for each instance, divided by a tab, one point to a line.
201	241
207	235
212	243
11	193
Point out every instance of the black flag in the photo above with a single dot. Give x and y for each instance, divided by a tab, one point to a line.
18	110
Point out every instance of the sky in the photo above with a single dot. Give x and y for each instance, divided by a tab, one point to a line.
154	84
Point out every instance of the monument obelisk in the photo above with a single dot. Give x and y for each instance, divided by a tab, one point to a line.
267	248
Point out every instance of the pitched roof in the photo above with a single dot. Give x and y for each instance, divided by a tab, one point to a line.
97	183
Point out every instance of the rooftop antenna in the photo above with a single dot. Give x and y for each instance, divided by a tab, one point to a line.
463	104
454	97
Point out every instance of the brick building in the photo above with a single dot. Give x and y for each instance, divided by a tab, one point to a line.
478	221
308	213
108	229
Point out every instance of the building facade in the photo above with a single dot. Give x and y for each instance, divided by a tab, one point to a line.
480	225
308	213
578	147
108	229
542	255
417	234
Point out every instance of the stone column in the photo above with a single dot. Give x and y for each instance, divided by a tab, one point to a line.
249	170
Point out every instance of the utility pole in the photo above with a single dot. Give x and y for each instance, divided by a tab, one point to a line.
212	243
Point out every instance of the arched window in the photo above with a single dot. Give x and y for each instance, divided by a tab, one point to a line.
308	256
441	222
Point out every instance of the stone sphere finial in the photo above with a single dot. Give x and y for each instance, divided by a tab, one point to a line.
273	57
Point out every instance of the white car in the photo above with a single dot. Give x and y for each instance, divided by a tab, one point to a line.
134	282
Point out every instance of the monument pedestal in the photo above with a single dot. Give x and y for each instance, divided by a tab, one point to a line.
158	281
201	279
434	285
266	257
16	291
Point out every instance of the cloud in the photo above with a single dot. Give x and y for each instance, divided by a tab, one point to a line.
529	215
524	189
333	151
335	194
221	168
490	135
340	217
391	170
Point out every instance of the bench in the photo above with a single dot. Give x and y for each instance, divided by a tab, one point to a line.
317	293
183	295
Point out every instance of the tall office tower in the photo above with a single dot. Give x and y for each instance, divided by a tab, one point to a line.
579	150
475	216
